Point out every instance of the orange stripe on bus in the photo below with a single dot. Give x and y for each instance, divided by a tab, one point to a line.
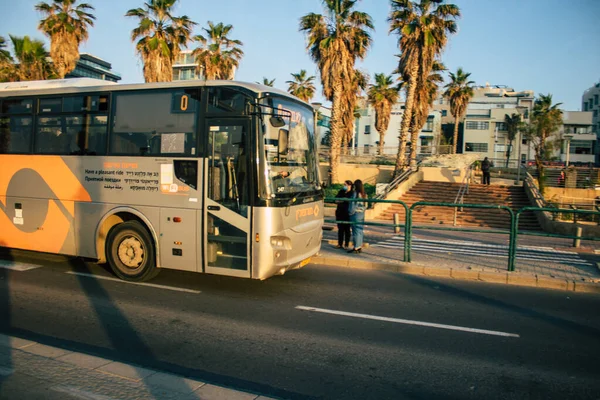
52	169
50	237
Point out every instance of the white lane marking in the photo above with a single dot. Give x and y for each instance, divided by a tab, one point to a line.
408	322
108	278
17	266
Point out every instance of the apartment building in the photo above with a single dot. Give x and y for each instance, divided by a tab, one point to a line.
367	137
89	66
579	142
484	129
185	67
590	101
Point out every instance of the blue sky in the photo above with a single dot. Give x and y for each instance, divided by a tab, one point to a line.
548	46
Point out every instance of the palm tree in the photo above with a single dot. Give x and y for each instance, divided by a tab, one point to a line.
459	91
4	54
382	96
66	24
335	41
513	123
32	62
302	86
424	96
351	113
219	56
267	82
7	67
546	119
423	28
161	36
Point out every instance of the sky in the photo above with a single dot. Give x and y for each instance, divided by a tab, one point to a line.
548	46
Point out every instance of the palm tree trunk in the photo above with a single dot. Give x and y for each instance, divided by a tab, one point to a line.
407	117
508	154
381	135
336	132
414	135
455	137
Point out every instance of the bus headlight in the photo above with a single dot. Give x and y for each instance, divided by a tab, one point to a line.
281	242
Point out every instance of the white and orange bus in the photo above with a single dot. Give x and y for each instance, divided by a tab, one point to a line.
218	177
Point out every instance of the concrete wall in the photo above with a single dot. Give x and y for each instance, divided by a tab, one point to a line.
437	174
559	227
571	193
368	173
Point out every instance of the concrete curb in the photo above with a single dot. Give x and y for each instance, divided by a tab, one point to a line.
508	278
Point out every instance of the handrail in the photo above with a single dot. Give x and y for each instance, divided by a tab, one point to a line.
534	189
397	181
462	190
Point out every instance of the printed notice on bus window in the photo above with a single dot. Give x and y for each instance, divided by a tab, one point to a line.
166	174
172	143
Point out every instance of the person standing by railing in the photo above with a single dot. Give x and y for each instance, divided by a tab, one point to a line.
356	210
341	214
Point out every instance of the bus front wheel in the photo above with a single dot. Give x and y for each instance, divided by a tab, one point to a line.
130	252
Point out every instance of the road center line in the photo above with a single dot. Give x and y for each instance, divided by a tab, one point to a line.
108	278
408	322
17	266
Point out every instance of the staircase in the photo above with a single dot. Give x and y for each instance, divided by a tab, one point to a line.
445	192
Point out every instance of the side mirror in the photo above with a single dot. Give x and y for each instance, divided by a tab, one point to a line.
283	141
277	122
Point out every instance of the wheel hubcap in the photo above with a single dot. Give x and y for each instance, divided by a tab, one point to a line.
131	252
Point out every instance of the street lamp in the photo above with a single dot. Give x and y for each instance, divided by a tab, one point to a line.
568	138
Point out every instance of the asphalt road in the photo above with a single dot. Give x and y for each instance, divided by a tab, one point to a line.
369	337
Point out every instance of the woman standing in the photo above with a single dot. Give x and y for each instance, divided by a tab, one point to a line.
356	210
341	214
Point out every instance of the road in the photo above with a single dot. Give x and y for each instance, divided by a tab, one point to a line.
318	332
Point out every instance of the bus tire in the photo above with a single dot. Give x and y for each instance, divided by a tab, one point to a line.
130	252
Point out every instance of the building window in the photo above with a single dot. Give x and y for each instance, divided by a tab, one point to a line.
367	129
444	113
585	106
581	147
478	125
595	99
595	113
501	126
476	147
428	125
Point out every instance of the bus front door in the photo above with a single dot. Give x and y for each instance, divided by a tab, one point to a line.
226	211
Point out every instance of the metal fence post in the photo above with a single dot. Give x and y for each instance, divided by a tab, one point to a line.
396	223
577	240
407	234
512	242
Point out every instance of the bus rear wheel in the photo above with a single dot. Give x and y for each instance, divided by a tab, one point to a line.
130	252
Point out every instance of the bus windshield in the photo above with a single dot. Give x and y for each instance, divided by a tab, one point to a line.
289	151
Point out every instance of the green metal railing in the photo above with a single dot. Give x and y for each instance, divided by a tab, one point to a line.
453	205
513	232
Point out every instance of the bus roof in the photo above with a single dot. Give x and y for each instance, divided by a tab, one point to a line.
78	85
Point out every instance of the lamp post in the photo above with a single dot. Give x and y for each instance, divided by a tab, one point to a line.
568	138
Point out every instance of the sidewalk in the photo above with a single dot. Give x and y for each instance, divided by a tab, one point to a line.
555	276
29	370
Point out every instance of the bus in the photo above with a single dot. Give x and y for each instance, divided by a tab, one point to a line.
217	177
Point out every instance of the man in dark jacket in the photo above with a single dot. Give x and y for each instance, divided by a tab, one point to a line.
485	168
341	214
